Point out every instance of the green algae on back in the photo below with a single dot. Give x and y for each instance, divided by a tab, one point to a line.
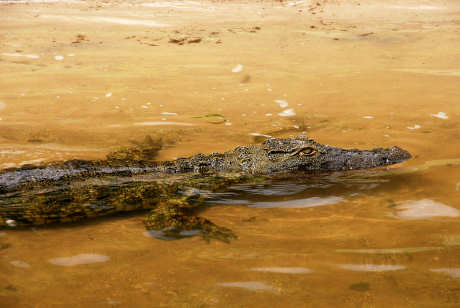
173	191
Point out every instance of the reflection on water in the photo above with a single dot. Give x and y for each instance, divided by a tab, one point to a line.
390	250
19	263
371	267
284	270
249	285
84	258
425	208
165	234
453	272
300	203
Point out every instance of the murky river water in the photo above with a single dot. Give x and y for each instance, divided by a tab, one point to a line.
82	79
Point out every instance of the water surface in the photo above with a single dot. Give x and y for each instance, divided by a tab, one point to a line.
81	79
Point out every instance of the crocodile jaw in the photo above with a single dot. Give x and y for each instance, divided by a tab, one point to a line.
335	159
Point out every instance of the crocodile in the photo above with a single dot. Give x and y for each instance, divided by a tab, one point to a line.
171	190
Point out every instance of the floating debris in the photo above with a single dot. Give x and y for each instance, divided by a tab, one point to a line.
287	113
237	68
371	267
268	114
416	126
85	258
249	285
179	41
368	117
194	40
425	208
440	115
246	78
108	94
284	270
58	58
221	118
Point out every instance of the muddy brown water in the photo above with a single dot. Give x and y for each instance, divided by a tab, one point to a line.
80	79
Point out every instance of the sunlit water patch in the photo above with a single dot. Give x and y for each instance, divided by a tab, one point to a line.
425	208
85	258
249	285
284	270
371	267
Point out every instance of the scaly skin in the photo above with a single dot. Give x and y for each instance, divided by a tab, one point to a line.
75	190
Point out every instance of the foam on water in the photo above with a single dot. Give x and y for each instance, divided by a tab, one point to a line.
287	113
237	68
282	103
440	115
416	126
371	267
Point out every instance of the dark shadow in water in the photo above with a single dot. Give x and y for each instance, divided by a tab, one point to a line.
311	190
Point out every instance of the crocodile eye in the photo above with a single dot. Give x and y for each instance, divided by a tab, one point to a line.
308	151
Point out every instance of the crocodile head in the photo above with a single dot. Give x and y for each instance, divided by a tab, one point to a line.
304	154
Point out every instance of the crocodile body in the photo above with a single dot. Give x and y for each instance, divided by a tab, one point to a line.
75	190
